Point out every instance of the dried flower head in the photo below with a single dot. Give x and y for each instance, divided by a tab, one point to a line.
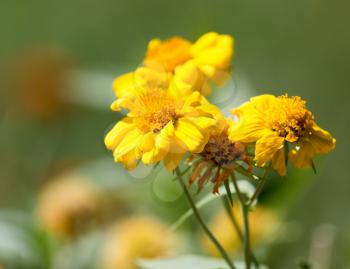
218	159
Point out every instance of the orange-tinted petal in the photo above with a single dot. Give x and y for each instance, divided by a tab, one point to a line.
267	146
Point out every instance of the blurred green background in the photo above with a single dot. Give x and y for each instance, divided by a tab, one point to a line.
299	47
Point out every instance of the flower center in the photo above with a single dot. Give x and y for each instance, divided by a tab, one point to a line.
223	151
290	118
155	109
170	53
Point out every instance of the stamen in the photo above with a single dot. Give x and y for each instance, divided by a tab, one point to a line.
289	117
155	110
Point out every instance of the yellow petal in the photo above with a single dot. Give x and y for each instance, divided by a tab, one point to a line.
202	123
279	163
318	142
163	139
153	156
187	79
148	142
118	132
150	78
263	102
161	145
301	156
252	119
129	160
124	85
130	141
213	52
210	110
189	135
172	160
247	131
322	141
153	43
267	146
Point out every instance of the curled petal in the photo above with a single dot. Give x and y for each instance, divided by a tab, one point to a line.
301	156
188	134
118	132
130	141
187	79
213	49
321	140
266	147
279	163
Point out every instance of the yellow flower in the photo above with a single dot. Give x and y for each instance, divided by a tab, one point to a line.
64	203
134	238
271	121
160	125
190	65
38	79
263	226
219	156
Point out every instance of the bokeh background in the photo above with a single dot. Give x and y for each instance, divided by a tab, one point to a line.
58	60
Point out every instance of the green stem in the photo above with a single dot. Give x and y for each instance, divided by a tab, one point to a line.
248	253
237	228
230	214
202	223
259	188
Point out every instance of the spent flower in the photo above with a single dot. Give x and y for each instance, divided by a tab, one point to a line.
219	157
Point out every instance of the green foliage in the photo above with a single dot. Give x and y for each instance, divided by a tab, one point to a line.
22	244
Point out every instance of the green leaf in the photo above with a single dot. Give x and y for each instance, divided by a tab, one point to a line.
189	262
245	187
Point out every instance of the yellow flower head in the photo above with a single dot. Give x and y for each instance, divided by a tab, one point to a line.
263	226
190	66
271	121
160	125
217	160
135	238
169	53
38	79
66	204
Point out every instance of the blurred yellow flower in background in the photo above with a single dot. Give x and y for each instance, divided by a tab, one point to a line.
69	205
133	238
38	81
263	226
271	121
189	66
159	125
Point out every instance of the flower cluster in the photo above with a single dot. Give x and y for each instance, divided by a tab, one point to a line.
168	116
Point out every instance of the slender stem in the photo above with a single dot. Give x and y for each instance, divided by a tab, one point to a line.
228	192
237	228
259	188
248	253
202	223
232	218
